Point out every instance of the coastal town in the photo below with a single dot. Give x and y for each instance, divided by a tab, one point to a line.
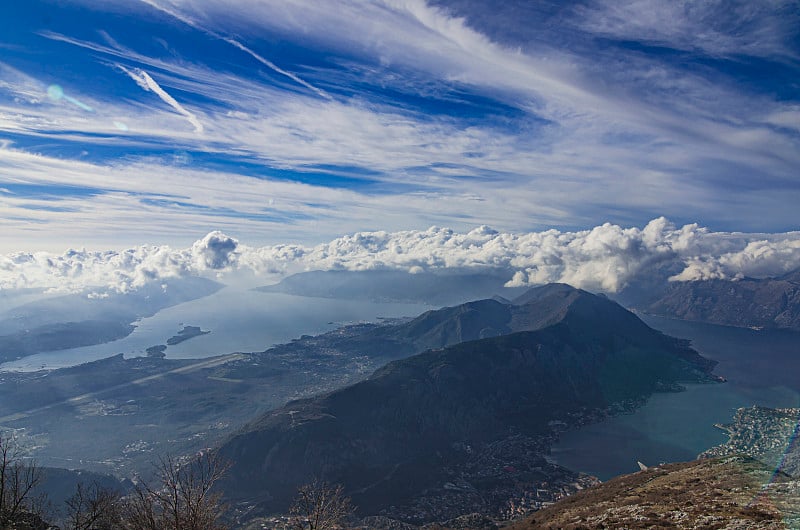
766	434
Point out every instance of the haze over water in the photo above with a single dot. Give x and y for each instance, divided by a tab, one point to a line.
240	320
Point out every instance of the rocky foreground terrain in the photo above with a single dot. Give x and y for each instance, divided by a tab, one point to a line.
734	492
751	481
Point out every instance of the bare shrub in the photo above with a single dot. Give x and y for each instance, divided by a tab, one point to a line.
320	506
20	507
181	498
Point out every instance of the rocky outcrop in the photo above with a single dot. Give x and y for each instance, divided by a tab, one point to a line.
729	492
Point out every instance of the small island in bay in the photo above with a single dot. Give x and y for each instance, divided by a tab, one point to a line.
188	332
156	352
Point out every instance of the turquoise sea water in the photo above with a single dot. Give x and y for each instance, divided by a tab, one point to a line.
762	368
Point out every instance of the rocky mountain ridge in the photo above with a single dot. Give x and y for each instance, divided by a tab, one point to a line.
746	302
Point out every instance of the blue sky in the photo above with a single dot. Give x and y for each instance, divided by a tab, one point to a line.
157	121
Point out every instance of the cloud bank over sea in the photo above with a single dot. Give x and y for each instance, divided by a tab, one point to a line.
604	258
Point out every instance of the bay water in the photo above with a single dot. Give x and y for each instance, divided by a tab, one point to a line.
762	367
239	319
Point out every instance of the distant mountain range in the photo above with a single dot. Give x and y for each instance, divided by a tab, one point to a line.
747	302
446	288
554	356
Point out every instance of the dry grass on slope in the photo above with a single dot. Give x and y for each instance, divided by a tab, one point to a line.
732	493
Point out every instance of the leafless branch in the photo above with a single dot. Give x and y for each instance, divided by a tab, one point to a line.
320	506
182	497
18	482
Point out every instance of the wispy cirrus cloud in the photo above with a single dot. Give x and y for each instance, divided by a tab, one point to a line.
583	118
392	115
175	13
714	27
273	66
149	84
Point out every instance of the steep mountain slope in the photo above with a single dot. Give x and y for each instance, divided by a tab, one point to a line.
749	302
730	492
451	325
439	328
392	436
538	308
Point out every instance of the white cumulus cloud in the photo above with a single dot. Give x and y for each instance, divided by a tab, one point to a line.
604	258
215	251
